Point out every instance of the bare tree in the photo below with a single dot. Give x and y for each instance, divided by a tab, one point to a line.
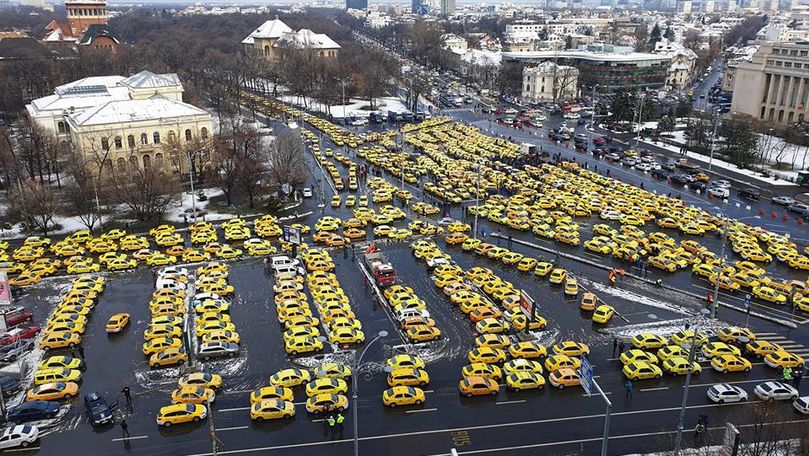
239	147
288	163
35	204
148	193
81	192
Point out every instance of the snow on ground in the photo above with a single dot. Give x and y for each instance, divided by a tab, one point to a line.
666	328
636	298
353	109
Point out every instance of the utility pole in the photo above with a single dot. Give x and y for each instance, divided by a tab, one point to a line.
593	120
692	353
642	95
713	139
715	302
477	201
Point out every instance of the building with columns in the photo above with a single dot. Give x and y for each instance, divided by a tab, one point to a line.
775	83
138	120
273	38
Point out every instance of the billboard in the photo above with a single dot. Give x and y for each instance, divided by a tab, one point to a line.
5	289
527	304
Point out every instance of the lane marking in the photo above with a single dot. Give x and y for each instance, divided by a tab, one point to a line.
606	393
510	402
30	448
134	437
234	428
759	380
660	388
422	410
319	420
234	409
236	392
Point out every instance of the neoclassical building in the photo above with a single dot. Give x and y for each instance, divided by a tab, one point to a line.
138	121
272	38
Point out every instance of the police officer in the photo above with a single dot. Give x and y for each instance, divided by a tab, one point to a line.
340	420
331	422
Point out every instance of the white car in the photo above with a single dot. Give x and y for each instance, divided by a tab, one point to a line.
775	391
610	214
404	314
722	392
801	404
307	192
721	183
19	436
540	118
571	115
719	192
645	167
172	270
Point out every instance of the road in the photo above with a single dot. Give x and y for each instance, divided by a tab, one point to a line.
549	421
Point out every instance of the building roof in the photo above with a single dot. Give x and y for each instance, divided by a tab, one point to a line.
305	38
548	67
92	81
58	32
630	57
272	29
18	46
119	111
148	80
96	30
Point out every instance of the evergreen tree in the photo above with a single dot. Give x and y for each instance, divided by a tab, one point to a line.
669	35
654	36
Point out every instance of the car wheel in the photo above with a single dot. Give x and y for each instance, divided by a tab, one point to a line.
658	376
393	405
418	402
720	401
561	386
25	443
494	393
747	369
68	396
468	394
71	345
259	419
294	352
206	358
340	409
196	419
770	399
167	424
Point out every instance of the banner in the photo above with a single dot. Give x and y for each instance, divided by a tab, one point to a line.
5	290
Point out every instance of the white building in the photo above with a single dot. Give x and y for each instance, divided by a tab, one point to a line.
549	82
136	121
273	37
681	67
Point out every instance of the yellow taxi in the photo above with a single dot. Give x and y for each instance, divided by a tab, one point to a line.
564	378
117	323
648	341
641	370
271	409
781	359
635	355
571	348
557	275
326	402
403	395
168	357
482	370
408	376
56	340
192	395
711	349
181	413
520	381
730	363
678	365
478	386
603	314
53	391
527	350
556	362
271	392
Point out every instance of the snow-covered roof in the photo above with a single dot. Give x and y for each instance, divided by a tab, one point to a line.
271	29
147	80
305	38
92	81
679	67
79	100
119	111
479	57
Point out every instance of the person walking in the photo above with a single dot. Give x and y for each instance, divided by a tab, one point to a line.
614	346
124	429
81	351
340	420
628	387
786	375
128	396
332	422
621	346
797	377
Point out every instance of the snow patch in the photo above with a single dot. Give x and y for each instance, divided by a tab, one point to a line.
640	299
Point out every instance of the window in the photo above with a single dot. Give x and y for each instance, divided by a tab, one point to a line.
156	138
118	143
144	138
61	127
134	162
130	141
204	133
188	134
158	160
787	64
172	137
147	162
121	165
105	143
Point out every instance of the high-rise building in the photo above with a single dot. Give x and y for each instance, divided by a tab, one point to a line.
420	7
447	7
356	4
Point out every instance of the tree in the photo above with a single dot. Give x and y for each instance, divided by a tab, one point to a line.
569	42
510	78
147	192
654	36
641	35
669	34
288	164
81	192
623	106
35	204
665	124
740	142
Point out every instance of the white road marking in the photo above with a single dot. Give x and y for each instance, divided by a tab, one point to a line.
422	410
510	402
235	409
659	388
759	380
134	437
35	448
318	420
606	393
234	428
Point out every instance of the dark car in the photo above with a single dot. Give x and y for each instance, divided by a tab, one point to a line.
750	193
659	174
802	209
681	179
98	410
12	352
10	386
697	186
33	411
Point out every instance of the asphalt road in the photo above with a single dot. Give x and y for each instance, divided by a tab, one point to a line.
546	422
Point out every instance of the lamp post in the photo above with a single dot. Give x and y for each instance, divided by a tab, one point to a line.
477	202
725	230
354	374
713	140
593	120
692	353
342	82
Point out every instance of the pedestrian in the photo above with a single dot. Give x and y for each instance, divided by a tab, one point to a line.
787	375
340	420
797	377
687	325
331	422
124	428
614	345
621	346
628	387
81	351
128	396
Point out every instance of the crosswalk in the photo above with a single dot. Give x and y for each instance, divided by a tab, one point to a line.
789	345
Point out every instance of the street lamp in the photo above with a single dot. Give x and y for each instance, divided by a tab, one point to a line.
592	119
477	202
692	353
725	230
713	139
355	372
342	82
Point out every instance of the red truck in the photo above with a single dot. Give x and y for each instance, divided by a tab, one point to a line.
380	268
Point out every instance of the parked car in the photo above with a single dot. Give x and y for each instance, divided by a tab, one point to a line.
218	350
681	179
307	192
33	411
10	386
723	392
659	174
696	186
18	436
750	193
17	316
18	334
12	352
721	183
719	192
802	209
776	391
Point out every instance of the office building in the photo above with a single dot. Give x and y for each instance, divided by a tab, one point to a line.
356	4
447	7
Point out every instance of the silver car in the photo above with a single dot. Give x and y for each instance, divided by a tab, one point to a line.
722	392
16	350
776	391
218	350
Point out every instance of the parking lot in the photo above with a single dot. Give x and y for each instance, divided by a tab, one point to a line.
567	420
